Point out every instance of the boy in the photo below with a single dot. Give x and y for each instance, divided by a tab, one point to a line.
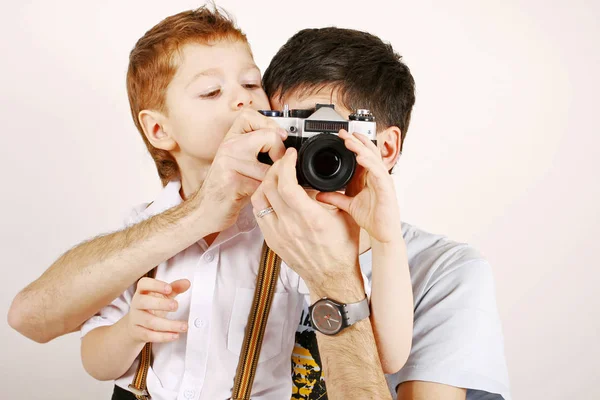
191	80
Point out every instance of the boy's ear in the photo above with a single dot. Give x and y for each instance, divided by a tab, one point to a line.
156	130
389	143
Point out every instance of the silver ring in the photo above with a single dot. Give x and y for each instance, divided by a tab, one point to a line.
264	212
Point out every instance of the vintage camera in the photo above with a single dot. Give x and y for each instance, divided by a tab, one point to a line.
324	163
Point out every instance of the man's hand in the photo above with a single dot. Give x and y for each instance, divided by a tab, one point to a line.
153	299
371	197
320	244
235	172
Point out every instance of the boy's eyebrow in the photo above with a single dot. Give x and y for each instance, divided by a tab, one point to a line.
217	71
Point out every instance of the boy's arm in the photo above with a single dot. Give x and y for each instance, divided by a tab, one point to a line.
391	303
108	352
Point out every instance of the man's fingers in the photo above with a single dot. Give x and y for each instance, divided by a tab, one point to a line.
146	285
250	121
247	188
249	168
265	141
271	190
293	194
259	200
335	199
179	286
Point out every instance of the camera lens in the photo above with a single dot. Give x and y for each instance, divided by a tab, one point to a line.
325	163
271	113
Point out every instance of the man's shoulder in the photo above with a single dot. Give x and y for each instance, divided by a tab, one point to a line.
438	250
436	259
457	339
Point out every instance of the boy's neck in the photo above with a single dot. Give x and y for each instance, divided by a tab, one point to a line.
193	173
211	238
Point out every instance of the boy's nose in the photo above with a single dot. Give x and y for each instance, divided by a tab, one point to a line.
242	99
242	104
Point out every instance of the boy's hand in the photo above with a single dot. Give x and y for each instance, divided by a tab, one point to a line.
153	299
370	197
236	172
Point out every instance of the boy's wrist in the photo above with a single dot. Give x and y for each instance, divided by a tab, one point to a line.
396	244
124	331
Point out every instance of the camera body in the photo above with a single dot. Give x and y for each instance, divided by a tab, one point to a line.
324	163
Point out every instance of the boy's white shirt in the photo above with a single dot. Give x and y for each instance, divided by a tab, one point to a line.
201	364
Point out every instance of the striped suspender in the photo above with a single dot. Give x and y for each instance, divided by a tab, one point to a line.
138	386
268	272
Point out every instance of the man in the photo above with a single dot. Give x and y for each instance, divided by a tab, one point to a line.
457	344
457	341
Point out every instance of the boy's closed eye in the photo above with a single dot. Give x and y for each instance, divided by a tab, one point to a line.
211	94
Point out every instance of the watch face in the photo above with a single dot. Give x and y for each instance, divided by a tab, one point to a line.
326	318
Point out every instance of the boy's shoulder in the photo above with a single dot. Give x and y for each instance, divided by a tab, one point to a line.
168	197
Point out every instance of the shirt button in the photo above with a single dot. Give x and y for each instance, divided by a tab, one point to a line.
198	323
209	257
189	394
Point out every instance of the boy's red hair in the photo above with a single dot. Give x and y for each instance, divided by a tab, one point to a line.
152	65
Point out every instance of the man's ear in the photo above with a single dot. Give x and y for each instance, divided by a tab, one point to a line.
389	143
156	129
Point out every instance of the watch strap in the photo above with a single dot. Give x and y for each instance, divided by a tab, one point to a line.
355	312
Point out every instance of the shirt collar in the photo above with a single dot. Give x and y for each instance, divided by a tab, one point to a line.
170	197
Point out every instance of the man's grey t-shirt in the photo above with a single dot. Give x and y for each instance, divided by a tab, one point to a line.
457	337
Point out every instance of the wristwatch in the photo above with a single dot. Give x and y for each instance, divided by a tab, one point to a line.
330	317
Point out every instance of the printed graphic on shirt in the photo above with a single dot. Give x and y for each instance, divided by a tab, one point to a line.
308	383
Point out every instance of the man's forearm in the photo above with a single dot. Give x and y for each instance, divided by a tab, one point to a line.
92	274
351	365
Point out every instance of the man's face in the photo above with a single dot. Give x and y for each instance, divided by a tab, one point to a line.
213	83
324	96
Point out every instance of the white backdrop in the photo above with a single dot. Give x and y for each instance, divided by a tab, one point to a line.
502	153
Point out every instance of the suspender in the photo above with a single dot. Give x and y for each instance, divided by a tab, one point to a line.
266	282
257	321
138	386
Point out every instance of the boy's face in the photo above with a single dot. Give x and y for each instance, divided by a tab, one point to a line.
213	83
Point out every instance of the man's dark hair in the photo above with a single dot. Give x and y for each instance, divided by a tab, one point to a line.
366	72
